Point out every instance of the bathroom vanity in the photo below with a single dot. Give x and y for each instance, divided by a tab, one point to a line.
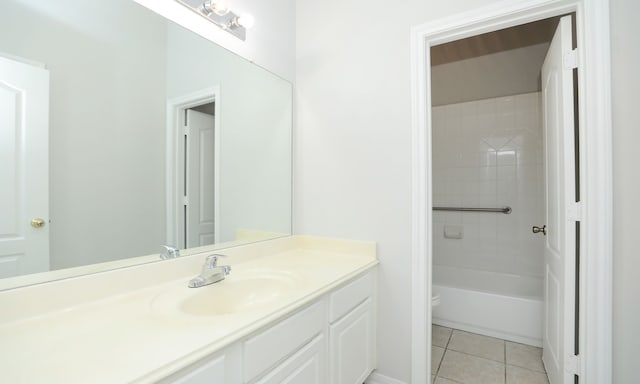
296	309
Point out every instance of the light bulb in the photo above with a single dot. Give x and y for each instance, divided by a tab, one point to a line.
220	8
245	20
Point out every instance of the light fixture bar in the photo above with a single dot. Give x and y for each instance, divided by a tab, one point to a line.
221	16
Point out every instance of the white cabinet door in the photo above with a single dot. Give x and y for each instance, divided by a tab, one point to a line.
24	168
307	366
351	346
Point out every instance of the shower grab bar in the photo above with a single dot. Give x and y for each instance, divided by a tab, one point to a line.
505	210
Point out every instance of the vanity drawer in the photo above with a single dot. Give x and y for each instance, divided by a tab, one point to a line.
222	367
264	350
307	366
348	297
211	372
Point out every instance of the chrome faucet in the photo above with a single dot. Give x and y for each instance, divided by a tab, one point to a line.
211	272
169	252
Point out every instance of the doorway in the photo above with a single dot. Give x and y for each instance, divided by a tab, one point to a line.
499	153
198	222
594	365
193	152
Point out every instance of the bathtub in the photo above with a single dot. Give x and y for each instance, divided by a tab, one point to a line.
495	304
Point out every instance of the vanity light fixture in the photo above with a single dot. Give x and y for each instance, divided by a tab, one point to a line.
219	14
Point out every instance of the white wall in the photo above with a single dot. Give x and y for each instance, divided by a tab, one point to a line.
626	190
255	131
270	43
488	153
106	158
504	73
353	141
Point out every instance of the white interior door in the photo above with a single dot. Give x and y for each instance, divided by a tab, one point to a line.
559	257
24	168
200	172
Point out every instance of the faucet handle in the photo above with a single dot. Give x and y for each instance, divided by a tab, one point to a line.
170	252
212	261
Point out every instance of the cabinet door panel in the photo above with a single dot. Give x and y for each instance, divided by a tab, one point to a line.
351	346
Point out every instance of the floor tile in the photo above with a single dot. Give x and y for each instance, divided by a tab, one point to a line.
469	369
442	380
477	345
517	375
440	335
524	356
436	358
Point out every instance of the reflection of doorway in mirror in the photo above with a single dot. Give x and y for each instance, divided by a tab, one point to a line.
199	151
193	148
24	168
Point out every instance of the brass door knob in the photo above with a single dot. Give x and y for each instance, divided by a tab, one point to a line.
537	229
37	223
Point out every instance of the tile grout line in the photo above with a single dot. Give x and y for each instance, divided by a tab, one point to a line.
446	348
474	356
435	376
505	362
479	357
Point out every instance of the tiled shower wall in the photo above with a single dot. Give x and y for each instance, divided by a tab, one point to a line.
488	153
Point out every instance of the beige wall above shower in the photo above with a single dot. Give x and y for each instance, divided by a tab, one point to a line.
505	73
495	64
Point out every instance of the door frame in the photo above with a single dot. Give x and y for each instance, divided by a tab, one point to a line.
174	153
594	103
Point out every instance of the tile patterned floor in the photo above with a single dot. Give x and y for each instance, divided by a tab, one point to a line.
459	357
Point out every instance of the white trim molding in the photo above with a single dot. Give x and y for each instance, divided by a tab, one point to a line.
594	76
596	303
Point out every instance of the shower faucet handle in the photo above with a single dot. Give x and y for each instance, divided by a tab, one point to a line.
537	229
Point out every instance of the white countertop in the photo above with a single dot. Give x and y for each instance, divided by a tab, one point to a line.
120	335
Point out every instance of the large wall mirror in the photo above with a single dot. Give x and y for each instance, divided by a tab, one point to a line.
135	133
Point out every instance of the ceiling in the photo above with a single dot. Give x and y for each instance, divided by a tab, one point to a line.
503	40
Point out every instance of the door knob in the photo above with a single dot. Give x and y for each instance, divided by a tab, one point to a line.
37	222
537	229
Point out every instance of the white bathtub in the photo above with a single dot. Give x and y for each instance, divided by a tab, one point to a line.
494	304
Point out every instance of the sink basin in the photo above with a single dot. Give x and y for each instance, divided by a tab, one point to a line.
241	291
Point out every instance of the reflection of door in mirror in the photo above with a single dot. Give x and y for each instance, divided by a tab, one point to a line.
24	168
193	178
199	183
